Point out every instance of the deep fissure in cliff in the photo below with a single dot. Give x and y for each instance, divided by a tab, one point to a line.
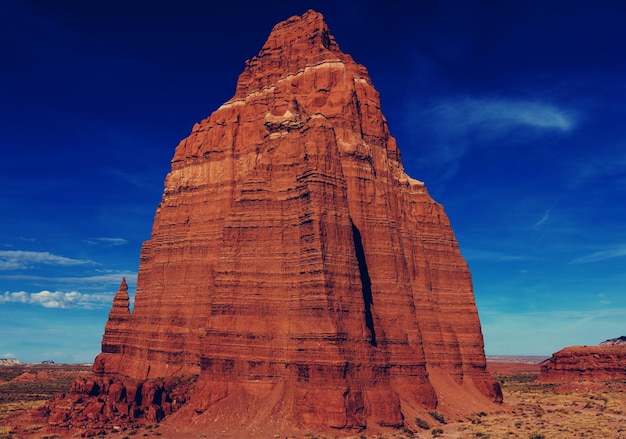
366	283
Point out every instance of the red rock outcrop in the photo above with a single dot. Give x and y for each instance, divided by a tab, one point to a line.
585	363
294	266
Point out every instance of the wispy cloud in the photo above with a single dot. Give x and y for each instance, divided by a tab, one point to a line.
109	242
543	219
497	115
453	127
607	162
492	255
18	259
59	299
107	278
602	255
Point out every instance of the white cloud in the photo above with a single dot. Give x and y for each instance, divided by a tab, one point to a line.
543	219
500	115
602	255
607	161
450	128
109	242
108	278
59	299
492	255
18	259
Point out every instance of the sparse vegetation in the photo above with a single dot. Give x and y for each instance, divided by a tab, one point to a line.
437	432
421	423
535	410
28	387
407	432
437	416
5	432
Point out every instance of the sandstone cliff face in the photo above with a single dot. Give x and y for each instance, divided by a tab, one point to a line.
585	363
294	266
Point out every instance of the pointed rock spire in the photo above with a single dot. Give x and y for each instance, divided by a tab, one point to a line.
120	308
117	325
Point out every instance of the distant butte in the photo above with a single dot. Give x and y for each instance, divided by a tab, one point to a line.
576	364
296	279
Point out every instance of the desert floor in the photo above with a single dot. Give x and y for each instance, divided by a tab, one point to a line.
532	410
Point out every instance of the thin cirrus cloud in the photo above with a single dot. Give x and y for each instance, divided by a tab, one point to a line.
457	125
19	259
501	115
58	299
109	242
107	278
489	255
602	255
543	220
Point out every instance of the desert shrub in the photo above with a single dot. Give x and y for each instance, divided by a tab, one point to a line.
421	423
437	432
32	428
5	432
438	416
407	432
476	421
536	435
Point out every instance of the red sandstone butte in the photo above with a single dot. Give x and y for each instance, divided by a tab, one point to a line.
585	363
294	268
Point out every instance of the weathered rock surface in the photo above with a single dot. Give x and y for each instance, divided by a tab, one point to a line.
585	363
614	341
294	267
10	362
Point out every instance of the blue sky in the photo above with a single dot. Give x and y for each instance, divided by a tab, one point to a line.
513	114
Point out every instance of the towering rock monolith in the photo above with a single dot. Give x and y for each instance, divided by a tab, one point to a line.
295	268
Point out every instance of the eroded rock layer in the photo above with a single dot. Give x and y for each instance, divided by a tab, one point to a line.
294	265
585	363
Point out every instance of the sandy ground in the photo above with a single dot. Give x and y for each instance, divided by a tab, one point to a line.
531	411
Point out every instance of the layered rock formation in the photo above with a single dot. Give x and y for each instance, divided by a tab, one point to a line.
294	266
585	363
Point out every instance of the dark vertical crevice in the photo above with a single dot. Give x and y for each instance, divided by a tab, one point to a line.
366	283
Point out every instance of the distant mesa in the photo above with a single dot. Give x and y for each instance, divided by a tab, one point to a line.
607	361
10	362
296	279
47	362
614	341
